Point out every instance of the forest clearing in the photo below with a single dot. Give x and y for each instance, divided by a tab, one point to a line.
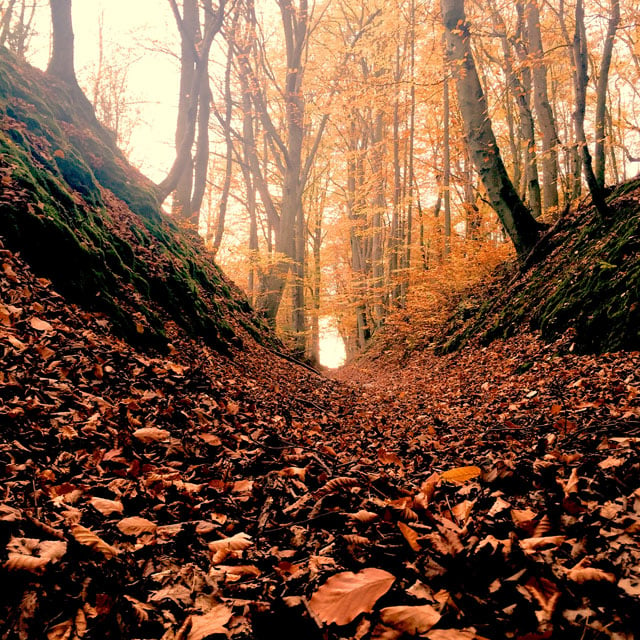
175	461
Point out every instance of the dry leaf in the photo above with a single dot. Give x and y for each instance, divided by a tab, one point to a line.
135	526
344	596
88	538
411	620
40	325
452	634
33	555
589	574
364	516
106	507
61	631
210	623
461	474
237	542
151	434
571	485
410	535
532	544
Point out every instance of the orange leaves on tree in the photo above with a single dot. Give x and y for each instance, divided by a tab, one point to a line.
344	596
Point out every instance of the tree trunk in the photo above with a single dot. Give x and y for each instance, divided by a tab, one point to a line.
546	121
601	92
580	82
61	63
514	215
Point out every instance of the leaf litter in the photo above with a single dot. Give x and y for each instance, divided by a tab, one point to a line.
196	496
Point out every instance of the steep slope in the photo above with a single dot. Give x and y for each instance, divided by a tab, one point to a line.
83	217
583	277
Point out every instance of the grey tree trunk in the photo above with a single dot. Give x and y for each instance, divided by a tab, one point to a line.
580	82
517	220
601	92
61	63
546	121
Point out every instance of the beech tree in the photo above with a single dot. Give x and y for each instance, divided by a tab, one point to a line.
187	176
61	63
518	222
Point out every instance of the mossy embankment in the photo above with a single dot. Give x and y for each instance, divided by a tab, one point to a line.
83	217
582	280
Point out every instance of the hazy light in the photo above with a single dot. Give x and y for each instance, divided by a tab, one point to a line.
332	351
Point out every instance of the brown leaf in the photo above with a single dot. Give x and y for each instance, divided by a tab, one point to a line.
411	620
532	544
61	631
33	555
334	484
106	507
364	516
344	596
461	474
237	542
410	535
151	434
135	526
210	623
88	538
452	634
589	574
40	325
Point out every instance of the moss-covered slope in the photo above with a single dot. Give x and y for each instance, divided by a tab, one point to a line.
83	217
583	278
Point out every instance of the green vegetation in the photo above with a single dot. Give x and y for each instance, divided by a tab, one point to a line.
60	171
584	276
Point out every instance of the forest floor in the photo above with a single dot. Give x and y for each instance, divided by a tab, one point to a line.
491	493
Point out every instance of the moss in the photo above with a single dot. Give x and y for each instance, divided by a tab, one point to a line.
57	152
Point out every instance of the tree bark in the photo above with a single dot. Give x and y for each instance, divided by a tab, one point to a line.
61	64
601	92
517	220
546	121
580	82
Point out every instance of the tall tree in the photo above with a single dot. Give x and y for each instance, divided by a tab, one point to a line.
601	92
518	222
188	176
581	77
61	64
544	113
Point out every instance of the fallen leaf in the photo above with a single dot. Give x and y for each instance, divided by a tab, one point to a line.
344	596
40	325
461	474
135	526
151	434
411	620
106	507
88	538
211	623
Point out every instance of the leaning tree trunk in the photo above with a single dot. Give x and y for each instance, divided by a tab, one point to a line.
518	222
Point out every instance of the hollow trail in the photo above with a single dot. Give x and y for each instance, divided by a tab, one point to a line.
153	496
